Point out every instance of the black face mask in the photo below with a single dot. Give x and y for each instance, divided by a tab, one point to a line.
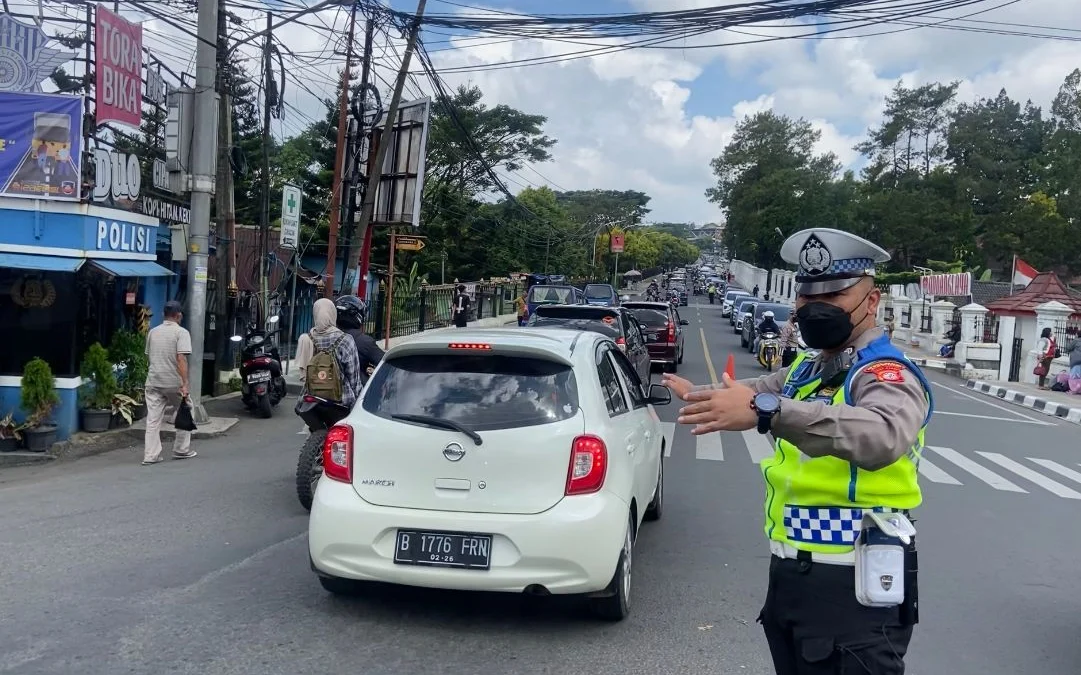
825	326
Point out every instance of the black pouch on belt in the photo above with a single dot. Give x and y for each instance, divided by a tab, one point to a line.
910	608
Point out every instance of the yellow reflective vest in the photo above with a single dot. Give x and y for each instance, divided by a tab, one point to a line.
817	503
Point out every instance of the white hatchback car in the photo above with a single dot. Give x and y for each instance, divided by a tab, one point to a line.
519	460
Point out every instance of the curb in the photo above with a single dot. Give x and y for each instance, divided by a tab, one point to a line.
930	364
1044	406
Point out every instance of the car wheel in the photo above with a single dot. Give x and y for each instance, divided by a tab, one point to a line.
653	511
339	586
616	604
679	359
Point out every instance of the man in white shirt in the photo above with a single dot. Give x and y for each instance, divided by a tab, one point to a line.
167	349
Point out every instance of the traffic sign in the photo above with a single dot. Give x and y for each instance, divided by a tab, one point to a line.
403	243
290	229
617	243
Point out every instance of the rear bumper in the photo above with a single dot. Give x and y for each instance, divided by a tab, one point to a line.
570	548
662	353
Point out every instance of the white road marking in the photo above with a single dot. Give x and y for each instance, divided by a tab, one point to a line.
1063	471
983	400
986	475
1030	475
758	446
994	418
708	446
303	431
669	431
934	474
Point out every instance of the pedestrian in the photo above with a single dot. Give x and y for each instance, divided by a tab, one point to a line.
754	291
789	341
168	346
712	292
1046	350
523	309
461	307
849	422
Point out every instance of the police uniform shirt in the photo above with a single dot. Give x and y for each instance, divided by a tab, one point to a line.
889	408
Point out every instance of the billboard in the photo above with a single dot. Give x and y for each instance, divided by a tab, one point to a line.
26	59
951	285
617	243
401	183
118	62
41	145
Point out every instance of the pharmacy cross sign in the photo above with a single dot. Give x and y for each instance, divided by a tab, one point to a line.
290	226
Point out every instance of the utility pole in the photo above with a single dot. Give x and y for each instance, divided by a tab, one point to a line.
339	162
352	255
385	138
223	206
264	210
203	157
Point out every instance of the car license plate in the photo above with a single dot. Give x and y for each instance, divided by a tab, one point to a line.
650	337
259	376
443	549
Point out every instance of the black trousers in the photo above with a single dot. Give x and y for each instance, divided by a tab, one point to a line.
788	355
815	626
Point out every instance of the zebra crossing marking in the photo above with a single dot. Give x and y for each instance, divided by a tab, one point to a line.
708	446
933	473
1063	471
758	446
1043	481
986	475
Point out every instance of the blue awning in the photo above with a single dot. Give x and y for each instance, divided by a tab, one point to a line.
131	268
41	263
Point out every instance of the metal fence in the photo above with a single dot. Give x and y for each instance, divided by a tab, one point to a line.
925	318
906	317
1064	335
988	331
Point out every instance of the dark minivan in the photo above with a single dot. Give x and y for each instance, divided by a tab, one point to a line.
601	295
615	322
663	329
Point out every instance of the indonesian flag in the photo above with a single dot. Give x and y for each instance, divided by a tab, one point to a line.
1023	273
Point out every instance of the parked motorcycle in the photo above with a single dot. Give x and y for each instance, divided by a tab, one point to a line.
262	384
769	350
320	415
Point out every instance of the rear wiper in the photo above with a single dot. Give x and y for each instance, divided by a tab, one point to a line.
441	423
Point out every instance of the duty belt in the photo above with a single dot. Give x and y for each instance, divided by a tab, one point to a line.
788	552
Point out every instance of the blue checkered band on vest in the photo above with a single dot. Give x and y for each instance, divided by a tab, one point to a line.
824	524
851	265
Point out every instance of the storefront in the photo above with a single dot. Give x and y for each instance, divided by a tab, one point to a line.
70	275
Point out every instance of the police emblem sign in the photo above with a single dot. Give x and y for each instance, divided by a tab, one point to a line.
25	57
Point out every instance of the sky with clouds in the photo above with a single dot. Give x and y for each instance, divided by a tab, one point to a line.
651	120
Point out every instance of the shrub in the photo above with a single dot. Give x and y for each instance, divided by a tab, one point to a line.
128	349
38	397
99	379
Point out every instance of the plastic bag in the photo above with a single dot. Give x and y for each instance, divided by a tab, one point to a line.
185	421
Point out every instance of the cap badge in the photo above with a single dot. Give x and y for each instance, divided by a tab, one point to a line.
814	257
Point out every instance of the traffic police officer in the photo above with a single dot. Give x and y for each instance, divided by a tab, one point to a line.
849	419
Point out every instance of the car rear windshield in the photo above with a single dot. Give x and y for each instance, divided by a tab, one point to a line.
483	393
556	295
650	318
608	329
598	291
732	294
780	312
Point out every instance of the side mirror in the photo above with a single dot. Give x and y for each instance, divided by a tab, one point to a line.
625	298
659	395
684	322
236	338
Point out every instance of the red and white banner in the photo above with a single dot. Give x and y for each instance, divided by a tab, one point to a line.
1023	273
118	60
617	243
947	284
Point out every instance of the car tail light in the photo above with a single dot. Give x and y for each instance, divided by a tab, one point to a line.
338	453
260	361
622	344
589	465
671	331
308	398
475	346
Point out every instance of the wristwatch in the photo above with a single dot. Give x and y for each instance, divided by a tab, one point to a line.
767	406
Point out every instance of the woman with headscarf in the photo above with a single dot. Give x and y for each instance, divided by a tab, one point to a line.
325	335
1046	352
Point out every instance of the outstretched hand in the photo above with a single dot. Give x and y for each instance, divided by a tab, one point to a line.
724	409
679	386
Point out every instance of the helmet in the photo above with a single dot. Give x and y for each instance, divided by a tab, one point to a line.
352	312
765	315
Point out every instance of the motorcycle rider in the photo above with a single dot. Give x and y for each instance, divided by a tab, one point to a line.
325	335
352	316
767	325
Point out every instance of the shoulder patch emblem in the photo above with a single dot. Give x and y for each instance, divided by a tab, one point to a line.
887	371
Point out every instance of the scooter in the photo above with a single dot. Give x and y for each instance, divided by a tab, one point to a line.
320	415
769	350
262	384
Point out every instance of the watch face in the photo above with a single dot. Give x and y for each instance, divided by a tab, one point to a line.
767	403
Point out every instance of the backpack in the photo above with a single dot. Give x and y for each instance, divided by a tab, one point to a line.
323	376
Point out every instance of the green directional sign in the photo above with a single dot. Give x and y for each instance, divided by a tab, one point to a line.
292	199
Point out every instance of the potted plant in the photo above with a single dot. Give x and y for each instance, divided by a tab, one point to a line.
37	399
128	351
98	389
124	409
10	435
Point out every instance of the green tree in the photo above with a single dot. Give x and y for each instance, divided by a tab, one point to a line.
623	207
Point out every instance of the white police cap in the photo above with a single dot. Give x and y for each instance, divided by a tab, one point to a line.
830	260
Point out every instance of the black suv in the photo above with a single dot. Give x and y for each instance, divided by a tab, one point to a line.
615	322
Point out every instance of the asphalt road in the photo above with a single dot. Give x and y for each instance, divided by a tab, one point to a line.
108	567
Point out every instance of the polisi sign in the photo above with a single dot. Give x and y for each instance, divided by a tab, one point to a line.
116	175
125	237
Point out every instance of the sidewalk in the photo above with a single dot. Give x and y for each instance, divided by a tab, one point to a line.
927	359
1053	403
294	381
